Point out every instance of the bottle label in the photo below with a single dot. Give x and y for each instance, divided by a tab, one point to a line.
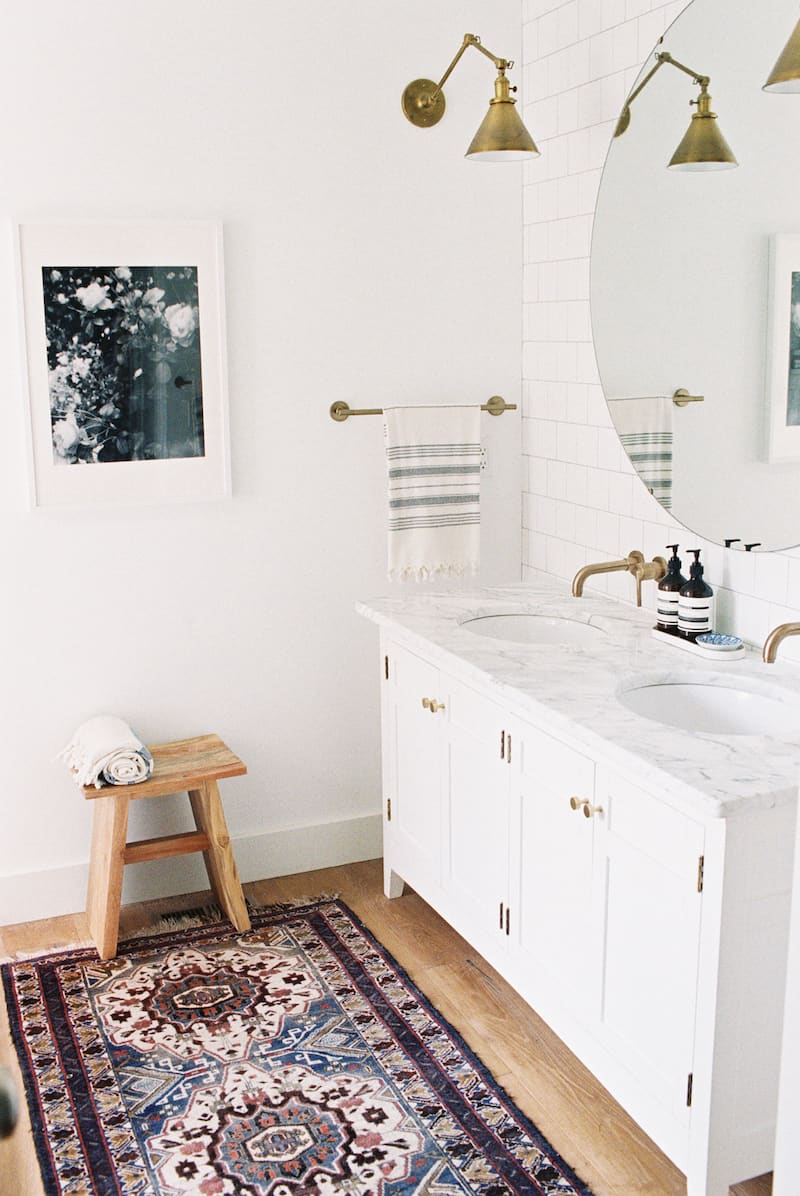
695	615
667	610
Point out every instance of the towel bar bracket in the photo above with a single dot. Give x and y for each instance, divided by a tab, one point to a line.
340	411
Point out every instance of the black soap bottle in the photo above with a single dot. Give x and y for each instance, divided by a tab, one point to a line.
669	589
695	603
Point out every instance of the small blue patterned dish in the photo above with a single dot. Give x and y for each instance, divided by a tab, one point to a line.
718	641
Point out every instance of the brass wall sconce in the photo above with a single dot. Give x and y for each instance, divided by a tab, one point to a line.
502	137
703	147
785	75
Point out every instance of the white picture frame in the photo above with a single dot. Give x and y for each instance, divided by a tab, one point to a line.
125	365
783	350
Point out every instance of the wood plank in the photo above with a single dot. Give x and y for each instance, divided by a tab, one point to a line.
220	863
160	848
180	766
109	830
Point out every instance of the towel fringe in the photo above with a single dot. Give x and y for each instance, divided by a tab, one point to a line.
424	573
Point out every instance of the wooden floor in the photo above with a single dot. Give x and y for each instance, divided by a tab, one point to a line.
602	1144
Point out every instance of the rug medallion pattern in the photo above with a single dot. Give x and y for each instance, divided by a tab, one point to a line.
295	1060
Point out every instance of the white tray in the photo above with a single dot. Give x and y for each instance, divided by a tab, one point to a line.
720	655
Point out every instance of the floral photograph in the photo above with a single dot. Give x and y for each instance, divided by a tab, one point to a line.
123	358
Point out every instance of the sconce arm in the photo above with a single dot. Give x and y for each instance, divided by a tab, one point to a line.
700	80
471	39
661	58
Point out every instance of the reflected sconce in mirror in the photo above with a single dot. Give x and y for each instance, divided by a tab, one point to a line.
703	146
785	75
502	137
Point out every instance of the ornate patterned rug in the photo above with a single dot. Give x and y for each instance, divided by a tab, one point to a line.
295	1060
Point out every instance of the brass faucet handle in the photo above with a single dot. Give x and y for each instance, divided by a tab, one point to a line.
644	571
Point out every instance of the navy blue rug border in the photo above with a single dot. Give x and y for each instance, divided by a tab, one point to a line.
211	931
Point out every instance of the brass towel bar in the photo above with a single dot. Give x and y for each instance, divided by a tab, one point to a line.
341	411
681	398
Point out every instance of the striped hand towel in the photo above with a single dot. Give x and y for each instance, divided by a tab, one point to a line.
645	428
433	456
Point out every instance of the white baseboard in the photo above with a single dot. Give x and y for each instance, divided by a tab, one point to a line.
27	896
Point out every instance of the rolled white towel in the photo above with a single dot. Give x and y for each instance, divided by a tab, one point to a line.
105	749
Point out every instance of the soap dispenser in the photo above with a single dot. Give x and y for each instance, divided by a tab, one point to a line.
669	589
695	603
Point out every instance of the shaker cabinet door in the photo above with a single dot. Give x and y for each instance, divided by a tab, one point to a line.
554	784
476	793
648	913
413	728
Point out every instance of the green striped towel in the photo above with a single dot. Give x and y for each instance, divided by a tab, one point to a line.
433	458
645	428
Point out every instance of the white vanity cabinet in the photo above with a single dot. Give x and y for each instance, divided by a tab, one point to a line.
649	940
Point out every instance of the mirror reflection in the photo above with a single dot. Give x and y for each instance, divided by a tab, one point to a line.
696	283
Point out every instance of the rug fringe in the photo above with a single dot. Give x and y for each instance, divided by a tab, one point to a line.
21	956
206	915
202	915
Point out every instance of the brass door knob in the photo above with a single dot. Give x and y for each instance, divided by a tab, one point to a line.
579	803
589	810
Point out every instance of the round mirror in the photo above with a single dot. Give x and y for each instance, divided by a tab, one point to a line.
695	282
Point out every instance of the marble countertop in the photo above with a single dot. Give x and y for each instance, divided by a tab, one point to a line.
572	691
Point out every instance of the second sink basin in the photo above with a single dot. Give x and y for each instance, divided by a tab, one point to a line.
526	627
716	706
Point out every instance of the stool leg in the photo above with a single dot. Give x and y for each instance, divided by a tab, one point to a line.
220	864
109	829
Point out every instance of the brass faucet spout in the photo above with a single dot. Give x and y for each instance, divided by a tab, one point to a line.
775	638
583	575
634	563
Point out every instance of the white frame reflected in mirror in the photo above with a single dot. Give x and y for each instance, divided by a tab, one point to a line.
783	361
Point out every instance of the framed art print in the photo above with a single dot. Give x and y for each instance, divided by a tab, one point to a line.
125	353
783	350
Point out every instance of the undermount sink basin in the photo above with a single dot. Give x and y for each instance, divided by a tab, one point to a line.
526	627
715	706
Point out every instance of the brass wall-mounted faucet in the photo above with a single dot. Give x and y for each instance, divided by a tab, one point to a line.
634	563
774	639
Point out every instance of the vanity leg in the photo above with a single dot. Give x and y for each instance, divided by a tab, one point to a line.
393	884
710	1183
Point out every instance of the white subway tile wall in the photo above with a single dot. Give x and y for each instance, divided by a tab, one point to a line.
582	501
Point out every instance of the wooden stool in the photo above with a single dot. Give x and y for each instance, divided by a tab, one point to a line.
194	765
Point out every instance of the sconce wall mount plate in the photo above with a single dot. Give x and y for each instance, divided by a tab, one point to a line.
423	104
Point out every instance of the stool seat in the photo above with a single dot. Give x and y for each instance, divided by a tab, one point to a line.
194	765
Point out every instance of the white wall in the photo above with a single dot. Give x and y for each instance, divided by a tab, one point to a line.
581	500
366	261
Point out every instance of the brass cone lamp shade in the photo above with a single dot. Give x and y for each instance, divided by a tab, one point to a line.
502	137
785	75
703	146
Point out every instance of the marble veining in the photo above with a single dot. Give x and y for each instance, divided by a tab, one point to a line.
570	690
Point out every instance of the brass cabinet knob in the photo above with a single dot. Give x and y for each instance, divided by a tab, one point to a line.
426	702
583	803
432	705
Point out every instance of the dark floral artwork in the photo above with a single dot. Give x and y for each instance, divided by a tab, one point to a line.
123	355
